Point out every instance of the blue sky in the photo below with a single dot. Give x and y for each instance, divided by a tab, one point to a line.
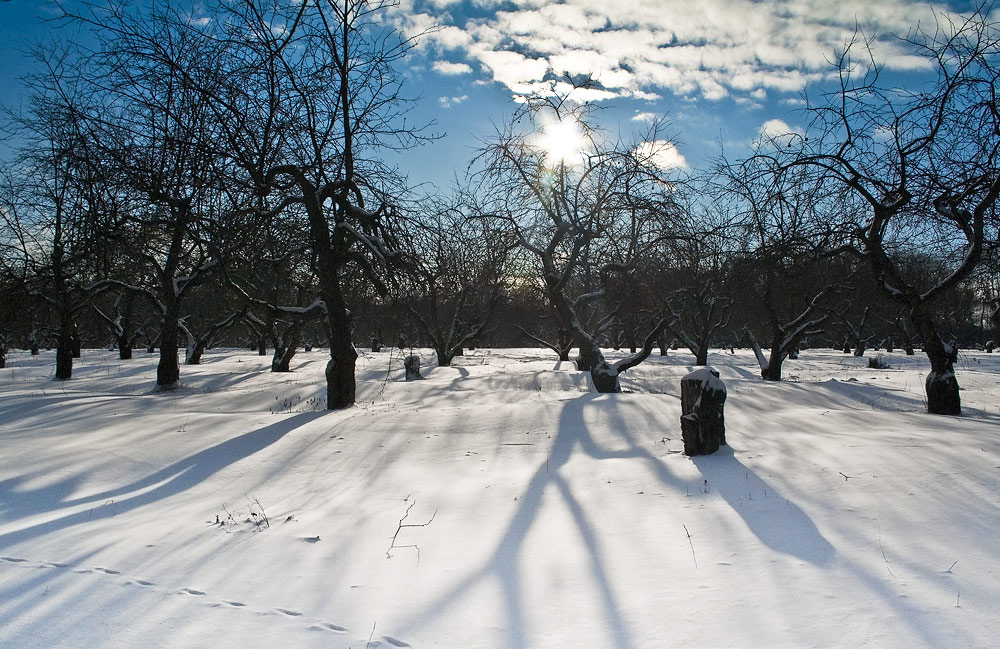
719	70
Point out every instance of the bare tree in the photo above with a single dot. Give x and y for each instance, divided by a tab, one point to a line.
787	237
922	163
582	210
309	147
55	207
458	265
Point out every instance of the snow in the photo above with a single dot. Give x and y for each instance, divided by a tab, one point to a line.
709	379
538	514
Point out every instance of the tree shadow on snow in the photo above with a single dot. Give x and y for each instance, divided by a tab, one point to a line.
504	565
172	480
776	521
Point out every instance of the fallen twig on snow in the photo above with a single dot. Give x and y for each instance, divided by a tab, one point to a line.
399	528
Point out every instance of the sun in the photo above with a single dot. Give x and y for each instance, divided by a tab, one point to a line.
562	142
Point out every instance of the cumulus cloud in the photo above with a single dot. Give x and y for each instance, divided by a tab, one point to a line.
645	117
662	154
777	127
449	68
778	132
711	49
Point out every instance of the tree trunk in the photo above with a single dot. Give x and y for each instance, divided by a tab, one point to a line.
703	399
588	359
124	342
282	362
64	352
340	380
283	354
75	341
943	392
168	370
773	370
193	356
701	357
605	378
443	357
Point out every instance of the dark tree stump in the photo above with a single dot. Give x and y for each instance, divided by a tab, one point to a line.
703	399
376	346
412	366
990	346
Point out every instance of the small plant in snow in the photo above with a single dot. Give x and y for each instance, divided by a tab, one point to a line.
255	517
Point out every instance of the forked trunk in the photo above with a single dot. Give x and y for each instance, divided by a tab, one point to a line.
283	354
773	370
605	378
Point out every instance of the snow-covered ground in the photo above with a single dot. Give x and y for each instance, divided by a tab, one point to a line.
537	513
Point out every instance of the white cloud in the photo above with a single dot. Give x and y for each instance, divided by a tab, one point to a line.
448	102
662	154
778	132
777	128
645	117
710	49
449	68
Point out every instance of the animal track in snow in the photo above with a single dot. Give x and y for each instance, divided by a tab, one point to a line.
202	597
326	626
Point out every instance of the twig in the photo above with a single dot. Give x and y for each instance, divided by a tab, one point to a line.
691	543
399	528
883	549
263	515
371	635
91	514
388	376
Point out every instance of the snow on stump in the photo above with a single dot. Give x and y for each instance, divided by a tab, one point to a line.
703	398
412	366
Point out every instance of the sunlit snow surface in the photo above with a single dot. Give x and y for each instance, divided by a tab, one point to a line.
540	514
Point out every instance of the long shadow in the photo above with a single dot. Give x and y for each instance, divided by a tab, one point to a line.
504	565
791	532
745	373
174	479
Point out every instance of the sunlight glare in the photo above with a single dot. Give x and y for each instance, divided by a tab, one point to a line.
562	142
